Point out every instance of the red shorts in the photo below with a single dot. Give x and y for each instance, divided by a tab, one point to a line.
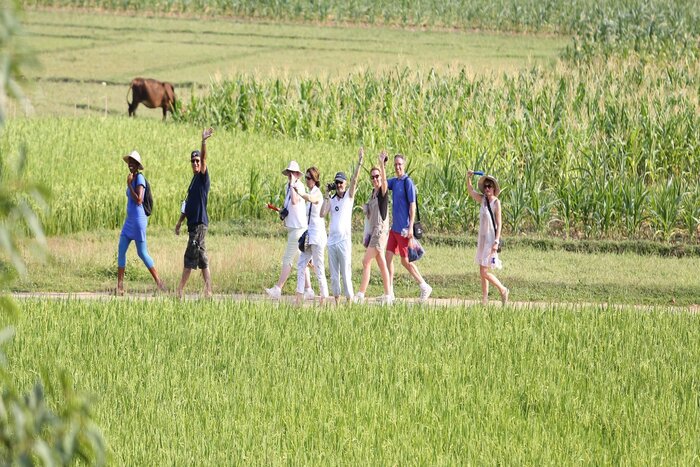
397	244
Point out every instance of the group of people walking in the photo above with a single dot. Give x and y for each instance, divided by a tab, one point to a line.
306	206
194	210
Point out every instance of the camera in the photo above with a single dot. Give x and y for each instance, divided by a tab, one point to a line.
284	212
331	186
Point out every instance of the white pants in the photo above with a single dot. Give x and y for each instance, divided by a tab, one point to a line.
339	259
316	254
292	248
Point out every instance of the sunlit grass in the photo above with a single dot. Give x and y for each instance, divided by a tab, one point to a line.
215	382
244	264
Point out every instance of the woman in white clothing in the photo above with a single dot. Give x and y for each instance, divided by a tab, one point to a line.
489	234
296	224
317	237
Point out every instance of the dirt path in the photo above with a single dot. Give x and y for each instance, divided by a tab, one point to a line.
432	302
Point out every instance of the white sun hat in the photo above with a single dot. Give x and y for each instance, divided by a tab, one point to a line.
135	156
293	167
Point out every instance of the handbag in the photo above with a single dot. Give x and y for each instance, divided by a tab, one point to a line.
500	241
417	226
304	239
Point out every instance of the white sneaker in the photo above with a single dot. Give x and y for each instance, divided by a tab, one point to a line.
309	294
425	292
274	292
386	300
359	298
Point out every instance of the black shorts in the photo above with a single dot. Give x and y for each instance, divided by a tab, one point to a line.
196	252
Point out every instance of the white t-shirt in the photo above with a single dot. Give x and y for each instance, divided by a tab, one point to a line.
297	212
341	219
317	224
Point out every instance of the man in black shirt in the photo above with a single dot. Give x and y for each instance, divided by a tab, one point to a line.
195	210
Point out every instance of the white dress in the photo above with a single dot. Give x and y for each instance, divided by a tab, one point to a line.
486	237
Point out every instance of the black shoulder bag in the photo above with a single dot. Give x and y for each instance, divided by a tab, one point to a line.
304	239
500	241
417	226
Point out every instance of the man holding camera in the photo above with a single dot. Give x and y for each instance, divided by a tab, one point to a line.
194	209
403	210
340	232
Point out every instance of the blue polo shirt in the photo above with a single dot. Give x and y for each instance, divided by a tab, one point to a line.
403	192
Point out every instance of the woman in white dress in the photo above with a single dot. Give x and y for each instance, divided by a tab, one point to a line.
489	234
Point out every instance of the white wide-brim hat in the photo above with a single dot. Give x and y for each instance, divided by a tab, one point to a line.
492	179
135	156
293	167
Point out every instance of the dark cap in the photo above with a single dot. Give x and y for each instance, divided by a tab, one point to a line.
341	176
194	154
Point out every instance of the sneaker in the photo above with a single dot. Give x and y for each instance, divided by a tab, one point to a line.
309	294
386	300
274	292
359	298
425	292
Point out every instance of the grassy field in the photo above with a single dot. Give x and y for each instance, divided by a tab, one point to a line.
78	52
243	261
211	383
609	116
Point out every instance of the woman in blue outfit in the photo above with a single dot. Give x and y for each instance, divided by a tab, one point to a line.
134	228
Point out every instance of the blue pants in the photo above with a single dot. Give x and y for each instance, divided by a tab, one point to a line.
141	249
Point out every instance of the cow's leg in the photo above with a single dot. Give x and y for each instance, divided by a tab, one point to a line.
165	111
132	109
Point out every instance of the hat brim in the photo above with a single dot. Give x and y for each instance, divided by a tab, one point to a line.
127	158
496	187
288	171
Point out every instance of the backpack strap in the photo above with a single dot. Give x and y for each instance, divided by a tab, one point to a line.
405	192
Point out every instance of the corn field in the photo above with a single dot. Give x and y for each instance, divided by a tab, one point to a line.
610	149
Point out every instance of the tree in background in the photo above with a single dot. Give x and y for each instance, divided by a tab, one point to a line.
31	432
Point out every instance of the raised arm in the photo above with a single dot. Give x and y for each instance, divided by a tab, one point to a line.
478	197
383	157
203	153
326	206
353	181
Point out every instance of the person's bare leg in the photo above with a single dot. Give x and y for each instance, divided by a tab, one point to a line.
412	269
120	281
390	268
483	273
183	281
384	271
284	275
366	268
206	275
159	283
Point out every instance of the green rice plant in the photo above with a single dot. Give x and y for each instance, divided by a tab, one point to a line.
276	384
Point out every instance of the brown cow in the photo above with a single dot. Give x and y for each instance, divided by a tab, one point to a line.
152	94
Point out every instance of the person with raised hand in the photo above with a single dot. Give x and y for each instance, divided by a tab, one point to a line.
134	228
194	209
340	232
376	212
489	234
